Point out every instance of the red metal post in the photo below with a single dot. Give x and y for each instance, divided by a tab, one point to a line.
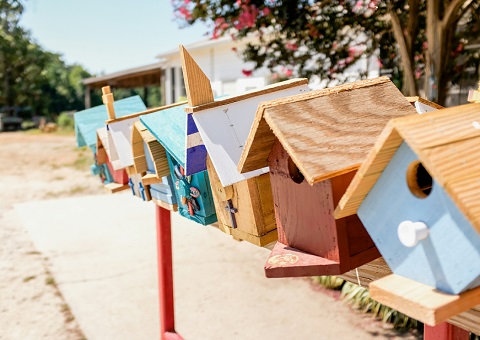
165	275
445	331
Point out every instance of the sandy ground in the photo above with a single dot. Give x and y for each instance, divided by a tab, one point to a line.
36	167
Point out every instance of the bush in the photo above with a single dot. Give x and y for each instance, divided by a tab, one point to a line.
65	121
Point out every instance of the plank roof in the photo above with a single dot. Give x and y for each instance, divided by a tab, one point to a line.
169	128
88	121
326	132
447	143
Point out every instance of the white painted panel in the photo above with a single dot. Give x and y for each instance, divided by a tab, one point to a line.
423	108
103	135
121	134
113	157
225	129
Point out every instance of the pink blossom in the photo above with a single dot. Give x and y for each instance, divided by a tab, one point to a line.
266	11
247	73
291	46
288	72
247	17
185	12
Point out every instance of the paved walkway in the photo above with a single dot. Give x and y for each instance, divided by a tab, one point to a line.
102	251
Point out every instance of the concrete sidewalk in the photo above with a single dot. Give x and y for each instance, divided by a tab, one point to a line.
102	251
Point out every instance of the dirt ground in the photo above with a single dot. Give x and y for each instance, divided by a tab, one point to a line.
35	167
42	166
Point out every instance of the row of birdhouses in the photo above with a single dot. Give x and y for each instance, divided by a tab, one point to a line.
338	177
414	179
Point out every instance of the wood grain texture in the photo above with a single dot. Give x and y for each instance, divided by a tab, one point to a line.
165	205
305	222
254	203
445	141
139	160
197	85
284	85
326	132
145	112
420	301
101	154
378	269
116	187
427	102
225	129
445	331
156	151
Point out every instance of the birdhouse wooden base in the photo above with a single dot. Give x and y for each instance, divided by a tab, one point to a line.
420	301
245	209
307	229
115	187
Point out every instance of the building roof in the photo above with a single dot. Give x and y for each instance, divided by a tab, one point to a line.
88	121
134	77
447	143
326	132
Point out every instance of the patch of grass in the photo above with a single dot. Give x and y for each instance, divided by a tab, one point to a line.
77	190
29	278
58	178
33	252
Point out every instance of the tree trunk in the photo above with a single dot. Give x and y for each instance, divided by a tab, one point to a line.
409	87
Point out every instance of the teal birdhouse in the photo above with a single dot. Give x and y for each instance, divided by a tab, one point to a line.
87	122
192	192
418	196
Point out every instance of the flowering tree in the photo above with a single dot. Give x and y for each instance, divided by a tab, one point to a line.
413	38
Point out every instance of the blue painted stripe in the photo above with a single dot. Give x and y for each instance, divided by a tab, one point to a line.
191	126
196	160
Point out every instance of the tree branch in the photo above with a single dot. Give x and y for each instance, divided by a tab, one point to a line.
451	12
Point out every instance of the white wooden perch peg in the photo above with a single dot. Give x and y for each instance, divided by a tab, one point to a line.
410	233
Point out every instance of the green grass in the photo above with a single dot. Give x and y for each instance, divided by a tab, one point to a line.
29	278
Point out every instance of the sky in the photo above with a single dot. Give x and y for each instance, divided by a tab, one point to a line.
106	36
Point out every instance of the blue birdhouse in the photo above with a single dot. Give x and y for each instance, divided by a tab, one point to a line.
418	196
168	151
88	121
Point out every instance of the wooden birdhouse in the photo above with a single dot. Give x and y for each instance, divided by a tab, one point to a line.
418	195
115	180
150	162
423	105
243	202
193	192
88	121
314	144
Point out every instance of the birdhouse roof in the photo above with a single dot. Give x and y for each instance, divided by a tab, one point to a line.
447	143
326	132
140	136
169	128
88	121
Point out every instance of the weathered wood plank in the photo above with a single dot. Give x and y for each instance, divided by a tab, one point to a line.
420	301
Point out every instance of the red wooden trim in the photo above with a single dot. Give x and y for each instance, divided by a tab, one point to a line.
445	331
165	275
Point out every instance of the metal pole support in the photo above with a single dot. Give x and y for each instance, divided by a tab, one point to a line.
165	275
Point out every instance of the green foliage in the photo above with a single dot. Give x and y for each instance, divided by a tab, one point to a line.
31	77
329	282
324	38
65	121
359	298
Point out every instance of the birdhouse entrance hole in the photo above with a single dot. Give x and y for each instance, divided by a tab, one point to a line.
419	180
294	172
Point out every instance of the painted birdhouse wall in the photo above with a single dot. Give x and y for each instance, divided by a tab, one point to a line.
449	257
164	189
245	209
193	193
304	215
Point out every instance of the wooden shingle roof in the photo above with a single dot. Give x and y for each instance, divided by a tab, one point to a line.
447	143
326	132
